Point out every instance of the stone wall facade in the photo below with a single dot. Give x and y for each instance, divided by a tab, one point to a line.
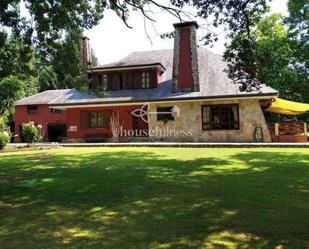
190	119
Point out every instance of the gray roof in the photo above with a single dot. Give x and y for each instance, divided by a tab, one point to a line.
43	97
214	83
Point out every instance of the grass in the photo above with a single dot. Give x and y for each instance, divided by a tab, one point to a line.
155	198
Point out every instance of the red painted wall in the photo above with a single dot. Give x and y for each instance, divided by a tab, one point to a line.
71	117
43	117
125	117
185	78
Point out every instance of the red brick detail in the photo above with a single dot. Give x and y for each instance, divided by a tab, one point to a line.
185	78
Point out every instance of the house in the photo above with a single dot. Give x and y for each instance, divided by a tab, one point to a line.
166	95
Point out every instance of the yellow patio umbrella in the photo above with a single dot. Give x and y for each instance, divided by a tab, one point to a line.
287	107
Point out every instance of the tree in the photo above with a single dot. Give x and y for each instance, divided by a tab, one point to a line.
269	56
260	55
62	68
52	18
11	89
47	79
298	23
298	19
66	59
16	57
49	19
19	59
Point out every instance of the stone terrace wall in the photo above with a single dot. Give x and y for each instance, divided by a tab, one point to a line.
250	114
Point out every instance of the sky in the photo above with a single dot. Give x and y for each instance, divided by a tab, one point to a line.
111	40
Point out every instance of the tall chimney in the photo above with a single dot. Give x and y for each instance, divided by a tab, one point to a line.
185	62
85	55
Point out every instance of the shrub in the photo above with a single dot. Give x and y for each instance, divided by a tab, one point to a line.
4	139
30	132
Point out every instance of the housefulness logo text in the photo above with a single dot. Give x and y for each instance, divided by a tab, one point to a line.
144	112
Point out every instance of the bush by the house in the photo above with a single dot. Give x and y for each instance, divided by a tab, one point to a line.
4	139
30	132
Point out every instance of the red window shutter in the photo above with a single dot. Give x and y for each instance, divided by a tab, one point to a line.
116	81
153	79
84	119
107	118
109	82
137	80
130	80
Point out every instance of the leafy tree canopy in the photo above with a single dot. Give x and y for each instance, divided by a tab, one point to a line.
19	59
47	78
16	57
298	19
269	55
298	23
11	89
51	18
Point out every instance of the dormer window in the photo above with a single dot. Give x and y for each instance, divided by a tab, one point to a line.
145	80
104	82
120	80
124	76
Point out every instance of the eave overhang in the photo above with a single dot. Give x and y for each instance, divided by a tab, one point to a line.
142	101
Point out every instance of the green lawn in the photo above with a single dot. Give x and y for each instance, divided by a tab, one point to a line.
155	198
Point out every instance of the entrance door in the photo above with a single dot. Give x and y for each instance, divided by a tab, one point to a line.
56	132
140	127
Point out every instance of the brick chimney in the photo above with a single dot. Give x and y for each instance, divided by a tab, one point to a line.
185	64
85	55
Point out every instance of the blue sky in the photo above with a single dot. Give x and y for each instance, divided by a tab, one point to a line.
112	40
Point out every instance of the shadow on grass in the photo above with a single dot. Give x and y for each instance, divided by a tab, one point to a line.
126	199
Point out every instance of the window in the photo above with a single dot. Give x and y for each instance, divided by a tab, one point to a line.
145	80
32	109
164	114
89	119
220	117
56	111
104	82
96	120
